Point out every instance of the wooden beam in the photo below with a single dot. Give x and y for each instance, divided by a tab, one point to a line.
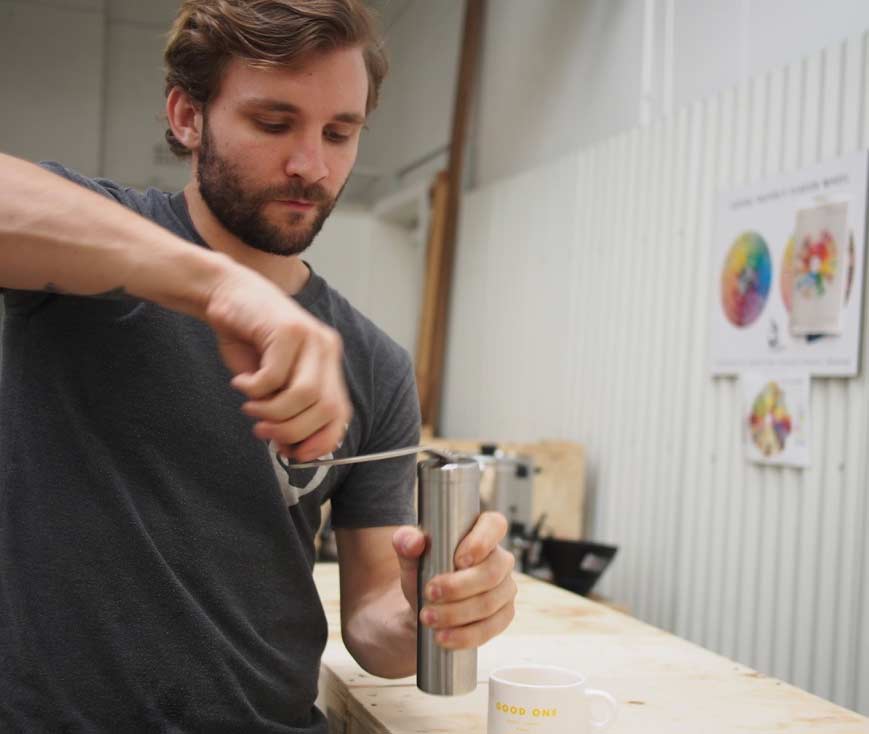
431	288
441	257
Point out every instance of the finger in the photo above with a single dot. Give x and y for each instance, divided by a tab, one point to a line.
320	445
314	403
239	356
324	441
464	584
409	544
309	381
476	634
288	403
337	405
275	367
468	611
487	532
298	427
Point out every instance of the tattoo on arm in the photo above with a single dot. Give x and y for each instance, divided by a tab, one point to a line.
53	288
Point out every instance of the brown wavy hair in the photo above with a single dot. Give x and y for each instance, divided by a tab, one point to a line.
207	34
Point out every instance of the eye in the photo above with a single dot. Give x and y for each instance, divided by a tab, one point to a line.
335	137
272	127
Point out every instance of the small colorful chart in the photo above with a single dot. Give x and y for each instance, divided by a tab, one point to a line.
815	264
745	279
786	278
770	423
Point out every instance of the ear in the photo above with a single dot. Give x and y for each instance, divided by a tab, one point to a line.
185	118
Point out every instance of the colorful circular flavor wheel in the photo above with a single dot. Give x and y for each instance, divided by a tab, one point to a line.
815	264
770	423
745	279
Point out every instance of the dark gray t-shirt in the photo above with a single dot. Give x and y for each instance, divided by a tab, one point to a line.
155	561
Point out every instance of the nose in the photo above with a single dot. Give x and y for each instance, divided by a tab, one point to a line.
306	159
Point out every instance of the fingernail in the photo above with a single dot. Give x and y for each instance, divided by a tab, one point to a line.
434	592
442	636
429	617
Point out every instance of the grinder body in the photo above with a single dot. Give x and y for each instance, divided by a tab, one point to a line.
449	505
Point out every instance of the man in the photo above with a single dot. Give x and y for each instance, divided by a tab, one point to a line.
155	559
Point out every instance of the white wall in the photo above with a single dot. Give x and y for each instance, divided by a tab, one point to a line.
82	83
135	150
560	75
415	112
51	78
376	266
720	42
581	309
556	76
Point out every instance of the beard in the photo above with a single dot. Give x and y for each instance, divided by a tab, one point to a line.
239	208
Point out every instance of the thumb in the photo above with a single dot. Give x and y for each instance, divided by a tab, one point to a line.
409	544
237	355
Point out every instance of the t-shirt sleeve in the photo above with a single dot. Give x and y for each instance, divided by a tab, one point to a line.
380	493
102	186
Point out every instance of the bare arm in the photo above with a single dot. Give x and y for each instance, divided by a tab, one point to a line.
56	235
378	624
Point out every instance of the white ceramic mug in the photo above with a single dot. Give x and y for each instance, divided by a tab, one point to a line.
543	699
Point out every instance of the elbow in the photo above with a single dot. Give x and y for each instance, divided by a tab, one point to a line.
380	660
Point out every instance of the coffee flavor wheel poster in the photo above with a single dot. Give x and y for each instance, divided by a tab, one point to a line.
787	272
775	417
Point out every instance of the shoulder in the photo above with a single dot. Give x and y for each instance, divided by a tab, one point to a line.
379	371
364	341
151	203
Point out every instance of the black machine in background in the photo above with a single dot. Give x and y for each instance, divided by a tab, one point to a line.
507	486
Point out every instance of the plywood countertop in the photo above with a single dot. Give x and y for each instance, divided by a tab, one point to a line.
663	684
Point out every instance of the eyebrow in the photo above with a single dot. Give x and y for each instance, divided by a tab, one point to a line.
275	105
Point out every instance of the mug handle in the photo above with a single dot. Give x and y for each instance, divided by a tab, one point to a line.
606	722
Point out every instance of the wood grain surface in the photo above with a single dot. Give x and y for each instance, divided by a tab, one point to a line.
663	684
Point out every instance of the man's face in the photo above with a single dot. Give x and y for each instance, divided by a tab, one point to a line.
277	147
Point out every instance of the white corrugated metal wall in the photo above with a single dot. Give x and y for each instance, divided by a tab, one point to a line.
581	310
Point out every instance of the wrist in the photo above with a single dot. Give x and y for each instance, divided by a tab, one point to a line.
184	278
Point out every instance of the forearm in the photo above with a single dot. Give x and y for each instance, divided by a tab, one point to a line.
55	234
381	634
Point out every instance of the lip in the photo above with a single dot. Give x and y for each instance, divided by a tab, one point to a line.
296	203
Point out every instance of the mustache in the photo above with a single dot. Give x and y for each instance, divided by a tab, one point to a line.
297	190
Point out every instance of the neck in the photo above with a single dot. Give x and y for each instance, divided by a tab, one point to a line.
289	273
